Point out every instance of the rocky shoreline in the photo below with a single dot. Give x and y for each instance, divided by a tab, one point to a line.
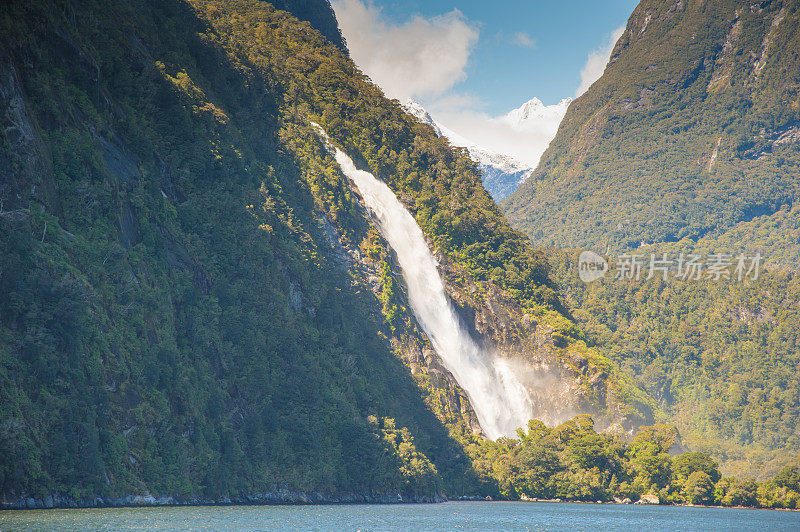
278	497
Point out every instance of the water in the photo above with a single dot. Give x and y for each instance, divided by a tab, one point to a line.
501	403
463	516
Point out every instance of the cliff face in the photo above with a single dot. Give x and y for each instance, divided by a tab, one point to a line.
196	306
689	131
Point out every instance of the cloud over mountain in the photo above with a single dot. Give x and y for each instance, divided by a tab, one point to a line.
597	60
420	57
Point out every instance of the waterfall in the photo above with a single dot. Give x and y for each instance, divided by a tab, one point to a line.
500	401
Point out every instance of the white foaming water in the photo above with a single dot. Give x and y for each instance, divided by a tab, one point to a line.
498	398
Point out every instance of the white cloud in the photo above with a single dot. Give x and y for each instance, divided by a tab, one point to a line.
524	140
597	60
524	40
421	57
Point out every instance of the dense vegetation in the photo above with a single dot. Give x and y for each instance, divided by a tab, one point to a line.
173	317
573	462
440	185
688	144
690	130
719	357
319	14
180	315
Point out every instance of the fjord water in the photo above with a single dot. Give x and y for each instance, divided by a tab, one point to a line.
465	516
500	401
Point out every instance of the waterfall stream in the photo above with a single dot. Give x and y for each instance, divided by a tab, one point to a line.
500	401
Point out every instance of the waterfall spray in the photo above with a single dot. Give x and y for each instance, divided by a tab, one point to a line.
498	398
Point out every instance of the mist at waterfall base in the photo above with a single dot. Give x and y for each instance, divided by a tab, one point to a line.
500	401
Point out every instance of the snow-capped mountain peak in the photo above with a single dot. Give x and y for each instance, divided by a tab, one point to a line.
534	112
413	107
528	109
510	145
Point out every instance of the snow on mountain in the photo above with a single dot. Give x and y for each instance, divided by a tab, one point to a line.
533	113
413	107
502	173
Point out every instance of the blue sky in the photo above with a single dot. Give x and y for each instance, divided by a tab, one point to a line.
470	62
524	49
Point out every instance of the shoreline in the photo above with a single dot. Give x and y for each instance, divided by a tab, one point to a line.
275	498
295	498
684	505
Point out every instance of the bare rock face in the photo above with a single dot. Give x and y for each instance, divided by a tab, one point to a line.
649	499
528	346
452	402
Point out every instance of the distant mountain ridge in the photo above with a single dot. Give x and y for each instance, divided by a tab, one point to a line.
534	111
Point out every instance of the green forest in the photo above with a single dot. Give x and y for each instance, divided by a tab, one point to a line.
180	315
684	146
196	306
171	323
719	357
572	462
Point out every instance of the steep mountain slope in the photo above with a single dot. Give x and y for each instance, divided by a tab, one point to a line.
691	129
159	335
196	304
688	145
720	358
